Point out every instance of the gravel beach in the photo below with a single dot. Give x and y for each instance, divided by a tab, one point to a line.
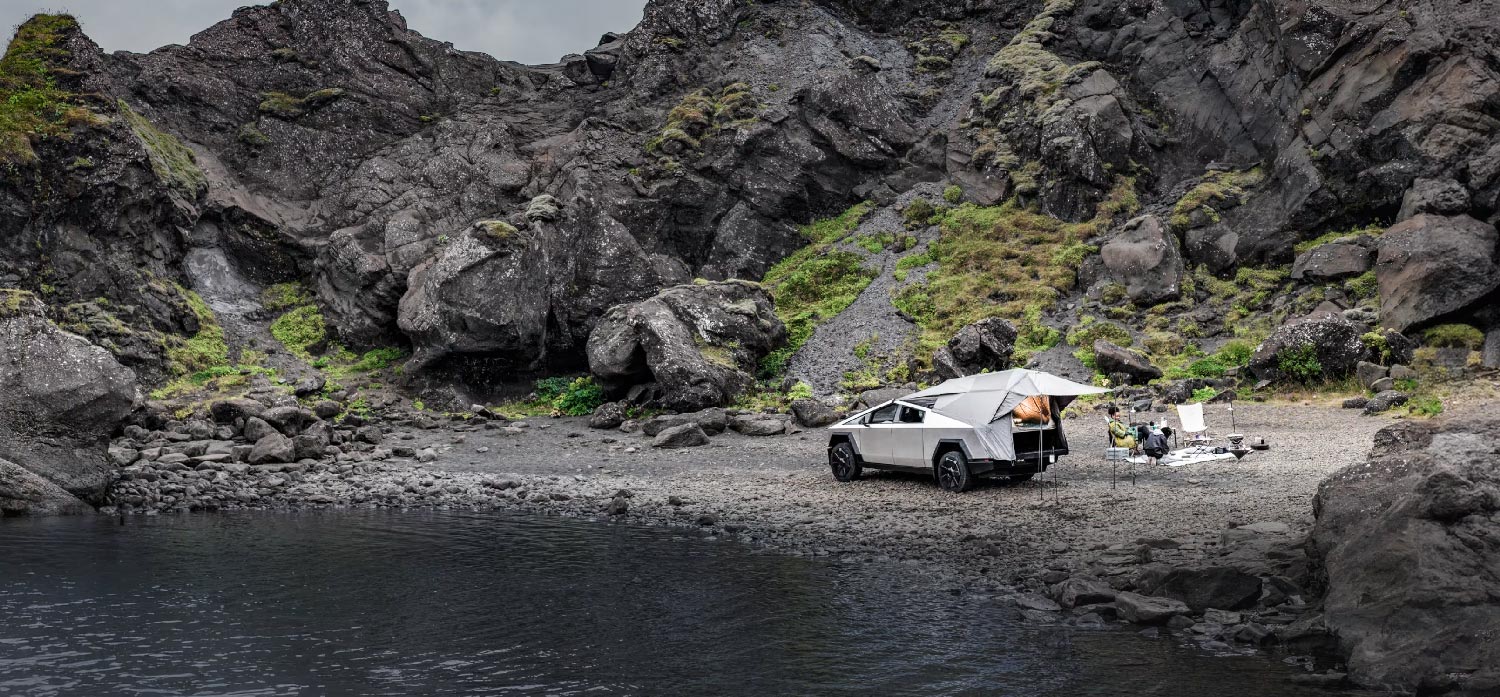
776	490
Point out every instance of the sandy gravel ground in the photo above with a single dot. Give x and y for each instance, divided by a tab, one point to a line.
777	491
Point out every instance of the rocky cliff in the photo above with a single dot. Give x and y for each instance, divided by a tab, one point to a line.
1141	173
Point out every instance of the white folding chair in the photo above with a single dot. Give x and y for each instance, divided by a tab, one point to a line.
1193	426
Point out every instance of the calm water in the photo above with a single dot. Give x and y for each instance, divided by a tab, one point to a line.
467	603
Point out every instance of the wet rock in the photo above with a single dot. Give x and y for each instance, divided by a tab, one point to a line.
699	343
23	492
683	436
1082	591
1112	359
618	505
811	413
1036	602
1145	258
608	416
1432	265
1201	588
1141	609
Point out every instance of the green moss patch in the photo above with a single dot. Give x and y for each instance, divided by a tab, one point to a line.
31	103
816	283
1454	336
701	115
203	351
300	330
288	107
172	161
1214	188
1004	261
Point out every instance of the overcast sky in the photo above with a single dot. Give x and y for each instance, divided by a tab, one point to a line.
529	31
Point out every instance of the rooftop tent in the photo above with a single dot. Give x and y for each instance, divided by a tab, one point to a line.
982	400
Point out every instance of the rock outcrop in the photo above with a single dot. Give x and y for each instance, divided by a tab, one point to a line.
61	399
985	345
1433	265
1308	349
1408	546
698	345
1145	259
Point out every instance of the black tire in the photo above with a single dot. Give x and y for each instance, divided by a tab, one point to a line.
1019	478
952	472
844	462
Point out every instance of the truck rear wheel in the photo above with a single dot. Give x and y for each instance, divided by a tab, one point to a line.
953	472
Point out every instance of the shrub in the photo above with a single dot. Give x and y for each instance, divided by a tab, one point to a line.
1425	406
918	213
1236	353
1210	367
801	390
300	330
953	194
579	398
1300	362
1203	394
1454	336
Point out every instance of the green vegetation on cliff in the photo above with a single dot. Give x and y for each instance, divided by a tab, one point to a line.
816	283
172	161
31	103
1004	261
204	350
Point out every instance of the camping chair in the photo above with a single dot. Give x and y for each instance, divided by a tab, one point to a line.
1193	426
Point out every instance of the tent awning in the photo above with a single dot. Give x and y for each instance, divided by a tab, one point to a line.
981	400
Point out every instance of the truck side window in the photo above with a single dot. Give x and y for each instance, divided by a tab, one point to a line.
912	415
884	415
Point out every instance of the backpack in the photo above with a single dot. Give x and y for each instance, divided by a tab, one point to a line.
1156	444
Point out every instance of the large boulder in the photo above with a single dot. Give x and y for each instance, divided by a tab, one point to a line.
1338	259
1432	265
23	492
983	345
1112	359
700	343
1140	609
811	413
1409	545
1144	258
684	436
60	399
713	421
1201	588
1441	196
1336	348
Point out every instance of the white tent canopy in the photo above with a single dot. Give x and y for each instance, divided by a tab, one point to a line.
982	400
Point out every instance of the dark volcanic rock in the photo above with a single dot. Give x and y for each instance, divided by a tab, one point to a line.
1335	260
1407	543
699	343
983	345
1335	341
23	492
61	398
1220	587
810	413
684	436
1146	260
1112	359
1433	265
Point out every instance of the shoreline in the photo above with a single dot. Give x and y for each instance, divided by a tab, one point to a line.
1058	549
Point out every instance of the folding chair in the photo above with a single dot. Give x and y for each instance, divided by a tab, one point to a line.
1193	427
